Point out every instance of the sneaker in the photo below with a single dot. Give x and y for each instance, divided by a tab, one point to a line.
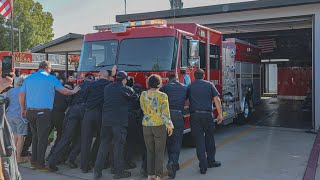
97	174
34	164
122	174
214	164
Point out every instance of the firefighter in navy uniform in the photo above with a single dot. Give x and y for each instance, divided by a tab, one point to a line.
177	95
72	127
114	125
91	124
200	94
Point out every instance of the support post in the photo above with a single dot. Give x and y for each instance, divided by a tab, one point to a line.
316	70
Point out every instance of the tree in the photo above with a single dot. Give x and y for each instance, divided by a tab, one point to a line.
34	24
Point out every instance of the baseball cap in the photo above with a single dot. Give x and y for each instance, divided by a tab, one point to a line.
90	76
122	75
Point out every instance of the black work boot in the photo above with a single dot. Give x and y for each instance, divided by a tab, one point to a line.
214	164
171	171
122	174
130	165
72	164
97	175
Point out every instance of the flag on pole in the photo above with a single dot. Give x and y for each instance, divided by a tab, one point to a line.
6	8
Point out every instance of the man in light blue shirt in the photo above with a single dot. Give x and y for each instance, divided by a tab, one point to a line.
36	102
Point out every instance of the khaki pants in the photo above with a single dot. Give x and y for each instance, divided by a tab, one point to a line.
155	140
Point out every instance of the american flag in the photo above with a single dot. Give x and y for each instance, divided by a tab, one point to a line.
6	8
267	45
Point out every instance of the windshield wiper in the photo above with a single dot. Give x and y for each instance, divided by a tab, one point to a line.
132	65
97	67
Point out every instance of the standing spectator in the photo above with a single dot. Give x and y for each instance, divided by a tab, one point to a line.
114	125
91	124
200	94
156	125
9	166
36	102
19	126
177	95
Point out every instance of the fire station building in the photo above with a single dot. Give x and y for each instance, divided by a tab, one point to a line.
288	34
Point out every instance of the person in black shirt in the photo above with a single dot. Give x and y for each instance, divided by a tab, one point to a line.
177	95
114	125
72	128
91	124
60	105
200	94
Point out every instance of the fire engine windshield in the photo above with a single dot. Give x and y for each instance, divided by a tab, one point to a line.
98	54
148	54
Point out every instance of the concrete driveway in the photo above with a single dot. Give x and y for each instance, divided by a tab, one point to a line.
246	153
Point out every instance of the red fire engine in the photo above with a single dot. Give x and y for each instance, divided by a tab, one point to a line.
142	48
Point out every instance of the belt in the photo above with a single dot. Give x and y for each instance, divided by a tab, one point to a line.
38	109
176	110
197	111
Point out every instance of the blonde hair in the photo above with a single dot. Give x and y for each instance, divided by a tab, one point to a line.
21	79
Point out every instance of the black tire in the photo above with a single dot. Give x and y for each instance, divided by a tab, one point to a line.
188	140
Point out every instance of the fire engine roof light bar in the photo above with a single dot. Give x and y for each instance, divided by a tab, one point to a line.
275	60
155	22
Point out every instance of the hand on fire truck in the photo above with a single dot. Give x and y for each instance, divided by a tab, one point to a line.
114	70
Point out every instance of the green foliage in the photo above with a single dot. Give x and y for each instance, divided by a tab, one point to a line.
35	26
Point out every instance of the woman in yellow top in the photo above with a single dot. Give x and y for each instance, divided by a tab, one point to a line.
156	125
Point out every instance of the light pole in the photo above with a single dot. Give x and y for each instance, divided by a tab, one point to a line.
17	29
125	6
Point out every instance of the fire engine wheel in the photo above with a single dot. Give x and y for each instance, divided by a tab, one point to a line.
188	140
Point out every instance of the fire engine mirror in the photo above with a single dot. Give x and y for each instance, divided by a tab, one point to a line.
194	49
194	63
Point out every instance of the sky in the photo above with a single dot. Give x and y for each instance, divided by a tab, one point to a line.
79	16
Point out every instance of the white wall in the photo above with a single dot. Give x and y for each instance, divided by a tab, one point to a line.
272	78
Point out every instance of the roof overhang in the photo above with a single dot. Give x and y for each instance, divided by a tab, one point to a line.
64	39
215	9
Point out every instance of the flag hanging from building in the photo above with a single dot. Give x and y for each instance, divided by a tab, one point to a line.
6	8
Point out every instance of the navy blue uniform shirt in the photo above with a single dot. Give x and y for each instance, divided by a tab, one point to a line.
95	94
80	97
177	94
116	102
201	94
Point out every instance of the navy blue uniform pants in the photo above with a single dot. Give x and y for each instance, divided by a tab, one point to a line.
91	127
117	136
175	140
202	128
69	134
